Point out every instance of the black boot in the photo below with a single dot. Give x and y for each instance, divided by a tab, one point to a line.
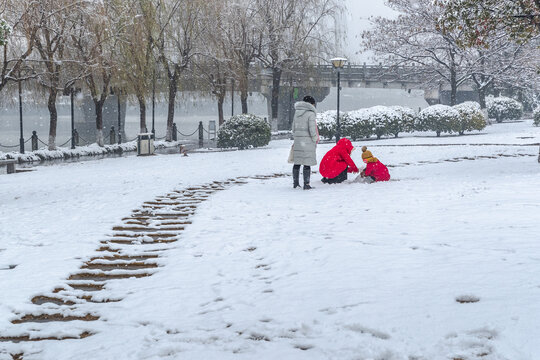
307	175
296	176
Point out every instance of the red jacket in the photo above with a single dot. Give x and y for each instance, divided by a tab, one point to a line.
378	171
337	159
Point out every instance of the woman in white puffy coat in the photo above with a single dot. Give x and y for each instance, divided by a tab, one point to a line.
306	137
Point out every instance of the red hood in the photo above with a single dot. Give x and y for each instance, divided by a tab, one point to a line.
345	144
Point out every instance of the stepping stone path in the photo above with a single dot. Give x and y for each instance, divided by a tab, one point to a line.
131	251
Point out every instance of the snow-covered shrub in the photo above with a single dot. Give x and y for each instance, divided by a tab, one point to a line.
361	125
438	118
244	131
408	118
380	121
327	124
536	116
470	118
504	108
385	121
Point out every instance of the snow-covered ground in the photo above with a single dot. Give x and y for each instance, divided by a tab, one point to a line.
349	271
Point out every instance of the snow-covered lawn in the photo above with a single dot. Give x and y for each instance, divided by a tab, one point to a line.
350	271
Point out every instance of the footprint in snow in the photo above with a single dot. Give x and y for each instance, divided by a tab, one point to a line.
365	330
303	347
471	345
467	299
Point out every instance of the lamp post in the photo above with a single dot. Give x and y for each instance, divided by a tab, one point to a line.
154	103
72	113
119	113
21	139
232	97
338	64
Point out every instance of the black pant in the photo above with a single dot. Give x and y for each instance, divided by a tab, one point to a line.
296	174
338	179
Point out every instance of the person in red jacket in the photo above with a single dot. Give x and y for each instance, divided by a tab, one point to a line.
375	170
337	163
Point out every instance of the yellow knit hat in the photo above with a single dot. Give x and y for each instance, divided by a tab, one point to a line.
367	156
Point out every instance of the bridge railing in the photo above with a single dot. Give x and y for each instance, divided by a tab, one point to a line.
352	73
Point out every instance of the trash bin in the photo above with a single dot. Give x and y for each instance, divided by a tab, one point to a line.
145	144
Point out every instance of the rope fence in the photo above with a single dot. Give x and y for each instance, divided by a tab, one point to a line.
9	146
193	133
81	141
66	142
85	141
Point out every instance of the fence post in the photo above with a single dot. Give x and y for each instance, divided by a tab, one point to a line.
112	136
201	135
34	141
174	132
76	137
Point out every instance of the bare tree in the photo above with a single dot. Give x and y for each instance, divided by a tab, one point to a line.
136	50
52	22
414	37
213	65
244	40
295	33
178	32
17	45
502	62
95	39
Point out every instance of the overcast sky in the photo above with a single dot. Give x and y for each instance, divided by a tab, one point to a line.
357	20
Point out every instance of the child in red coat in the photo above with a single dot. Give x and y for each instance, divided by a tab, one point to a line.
375	170
337	163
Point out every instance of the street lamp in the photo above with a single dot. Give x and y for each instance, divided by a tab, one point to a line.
154	103
71	91
338	64
21	139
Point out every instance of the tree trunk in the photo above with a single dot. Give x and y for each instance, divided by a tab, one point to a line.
276	80
221	118
482	97
243	100
438	133
173	89
244	83
99	122
142	114
453	87
53	116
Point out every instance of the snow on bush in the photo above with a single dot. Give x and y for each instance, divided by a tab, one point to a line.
438	118
408	118
470	118
385	121
379	121
536	116
504	108
244	131
327	124
88	150
361	125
